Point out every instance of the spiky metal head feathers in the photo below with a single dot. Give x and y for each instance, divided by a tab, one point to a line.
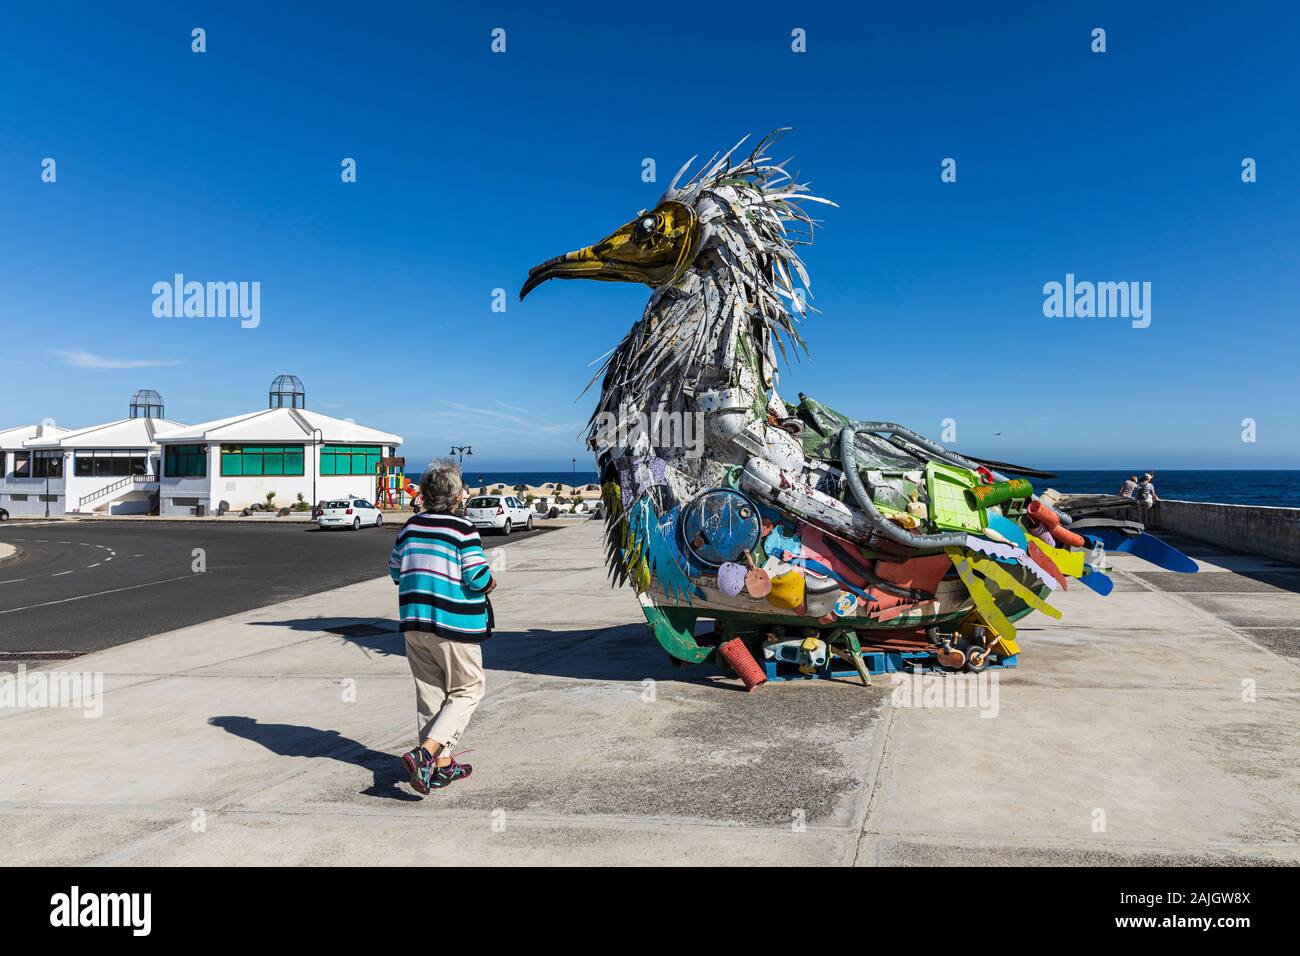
719	251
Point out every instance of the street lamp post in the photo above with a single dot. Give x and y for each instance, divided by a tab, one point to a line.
461	451
315	465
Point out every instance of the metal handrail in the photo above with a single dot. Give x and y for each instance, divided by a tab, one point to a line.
115	486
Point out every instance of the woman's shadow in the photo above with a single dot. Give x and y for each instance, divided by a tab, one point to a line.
293	740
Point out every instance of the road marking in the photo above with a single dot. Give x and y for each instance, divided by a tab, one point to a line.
82	597
59	574
95	565
14	581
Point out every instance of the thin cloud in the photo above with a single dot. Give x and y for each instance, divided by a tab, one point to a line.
82	359
514	408
469	417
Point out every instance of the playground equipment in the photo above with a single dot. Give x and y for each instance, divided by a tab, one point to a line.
391	486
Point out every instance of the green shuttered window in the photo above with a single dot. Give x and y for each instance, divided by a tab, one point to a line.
185	461
350	459
257	461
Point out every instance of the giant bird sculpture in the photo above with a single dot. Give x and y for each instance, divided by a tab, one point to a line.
806	536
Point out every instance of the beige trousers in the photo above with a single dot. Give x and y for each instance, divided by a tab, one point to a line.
449	684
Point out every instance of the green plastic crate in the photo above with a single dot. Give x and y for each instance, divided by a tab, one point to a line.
950	510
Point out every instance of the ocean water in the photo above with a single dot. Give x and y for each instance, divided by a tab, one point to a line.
1276	488
536	478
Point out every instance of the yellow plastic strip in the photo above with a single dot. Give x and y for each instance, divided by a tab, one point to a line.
980	594
1067	562
991	569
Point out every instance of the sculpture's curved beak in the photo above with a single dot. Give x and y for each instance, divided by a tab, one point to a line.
653	248
582	264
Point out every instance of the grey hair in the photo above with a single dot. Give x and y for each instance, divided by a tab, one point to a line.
441	487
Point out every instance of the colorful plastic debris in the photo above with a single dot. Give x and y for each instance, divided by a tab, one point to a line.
812	540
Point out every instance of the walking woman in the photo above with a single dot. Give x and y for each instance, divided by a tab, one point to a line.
443	581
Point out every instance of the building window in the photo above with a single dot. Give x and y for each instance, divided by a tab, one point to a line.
185	461
260	461
101	463
17	497
47	464
350	459
22	465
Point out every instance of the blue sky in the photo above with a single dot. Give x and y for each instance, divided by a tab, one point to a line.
472	166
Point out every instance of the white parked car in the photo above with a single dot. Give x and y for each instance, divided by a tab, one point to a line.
350	513
502	513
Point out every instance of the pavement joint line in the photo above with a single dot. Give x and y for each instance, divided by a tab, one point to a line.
882	756
1209	616
639	823
518	820
338	812
971	839
125	809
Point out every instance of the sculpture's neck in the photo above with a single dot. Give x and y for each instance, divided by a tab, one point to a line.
694	338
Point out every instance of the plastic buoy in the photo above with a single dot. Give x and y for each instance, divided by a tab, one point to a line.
738	658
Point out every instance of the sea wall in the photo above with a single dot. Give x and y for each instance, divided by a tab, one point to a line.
1274	532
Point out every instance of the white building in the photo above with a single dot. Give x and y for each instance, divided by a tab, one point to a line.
107	468
284	449
27	486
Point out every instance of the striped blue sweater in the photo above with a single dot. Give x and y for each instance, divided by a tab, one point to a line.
441	572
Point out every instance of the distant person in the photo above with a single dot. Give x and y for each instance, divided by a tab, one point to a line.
1129	490
443	581
1147	498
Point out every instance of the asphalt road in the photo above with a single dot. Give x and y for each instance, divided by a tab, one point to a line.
75	587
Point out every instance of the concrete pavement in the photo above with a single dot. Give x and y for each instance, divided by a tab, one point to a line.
1143	727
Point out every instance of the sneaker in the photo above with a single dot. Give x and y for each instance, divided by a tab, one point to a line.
442	776
420	768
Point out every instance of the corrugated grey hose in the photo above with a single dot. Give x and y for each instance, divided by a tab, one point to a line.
939	452
934	448
946	539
